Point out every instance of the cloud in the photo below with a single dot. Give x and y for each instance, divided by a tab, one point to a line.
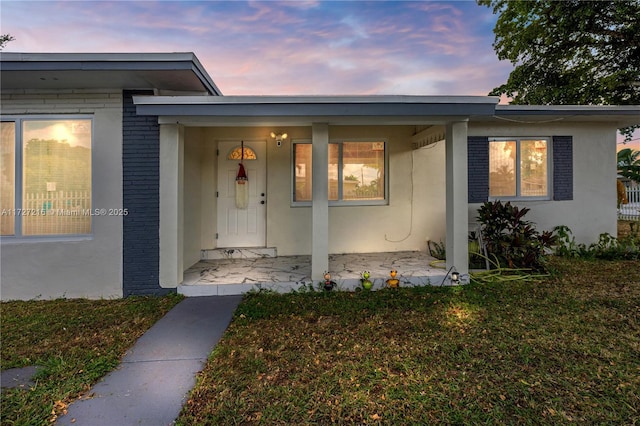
288	47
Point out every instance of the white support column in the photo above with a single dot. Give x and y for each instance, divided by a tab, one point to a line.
171	204
457	197
320	200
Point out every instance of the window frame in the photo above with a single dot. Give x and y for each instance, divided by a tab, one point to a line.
549	171
19	177
340	202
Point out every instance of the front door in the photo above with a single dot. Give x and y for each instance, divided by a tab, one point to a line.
242	227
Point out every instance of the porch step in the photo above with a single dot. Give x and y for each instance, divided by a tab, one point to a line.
191	288
238	253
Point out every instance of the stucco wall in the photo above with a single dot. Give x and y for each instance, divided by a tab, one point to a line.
192	199
430	198
208	201
416	194
416	210
401	225
83	267
593	208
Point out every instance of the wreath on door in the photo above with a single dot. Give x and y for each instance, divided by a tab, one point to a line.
242	183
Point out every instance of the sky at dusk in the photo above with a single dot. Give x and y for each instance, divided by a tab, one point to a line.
283	48
290	47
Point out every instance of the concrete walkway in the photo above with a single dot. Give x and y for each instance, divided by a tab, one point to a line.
152	383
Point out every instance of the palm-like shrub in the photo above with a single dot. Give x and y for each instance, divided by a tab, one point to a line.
629	164
510	240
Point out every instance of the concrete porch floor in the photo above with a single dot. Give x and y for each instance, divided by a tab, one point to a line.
286	273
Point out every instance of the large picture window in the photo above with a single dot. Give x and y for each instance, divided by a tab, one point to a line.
46	176
357	172
519	168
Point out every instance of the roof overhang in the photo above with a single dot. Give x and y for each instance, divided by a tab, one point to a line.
301	110
164	72
620	115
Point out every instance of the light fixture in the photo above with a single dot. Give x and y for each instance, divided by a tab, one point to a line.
455	277
279	137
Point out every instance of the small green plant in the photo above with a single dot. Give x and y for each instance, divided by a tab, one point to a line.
437	250
611	248
476	259
608	247
511	240
566	245
305	287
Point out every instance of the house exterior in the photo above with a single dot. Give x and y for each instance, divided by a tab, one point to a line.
119	169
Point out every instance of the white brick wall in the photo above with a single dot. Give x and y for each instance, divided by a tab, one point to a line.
86	266
19	102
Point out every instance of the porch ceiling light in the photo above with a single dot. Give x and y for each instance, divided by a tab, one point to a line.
279	137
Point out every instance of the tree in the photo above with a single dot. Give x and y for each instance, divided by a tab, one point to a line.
4	39
569	52
629	164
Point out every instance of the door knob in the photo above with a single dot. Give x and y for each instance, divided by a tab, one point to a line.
262	194
262	202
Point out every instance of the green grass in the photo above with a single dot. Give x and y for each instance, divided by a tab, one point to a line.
563	350
76	341
559	351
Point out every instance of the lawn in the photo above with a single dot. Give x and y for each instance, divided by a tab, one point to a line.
562	350
76	341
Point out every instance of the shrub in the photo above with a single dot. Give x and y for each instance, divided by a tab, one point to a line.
510	240
607	247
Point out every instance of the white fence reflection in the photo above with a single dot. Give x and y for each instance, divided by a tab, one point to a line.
56	212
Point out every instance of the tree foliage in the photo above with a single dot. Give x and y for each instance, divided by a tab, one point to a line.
4	39
629	164
569	52
572	51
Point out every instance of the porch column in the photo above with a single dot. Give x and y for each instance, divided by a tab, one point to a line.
171	204
457	201
320	200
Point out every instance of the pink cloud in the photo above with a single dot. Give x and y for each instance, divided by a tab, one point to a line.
284	48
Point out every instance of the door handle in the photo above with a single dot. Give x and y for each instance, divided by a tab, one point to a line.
262	202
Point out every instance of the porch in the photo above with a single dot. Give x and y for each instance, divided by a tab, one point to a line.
238	274
412	205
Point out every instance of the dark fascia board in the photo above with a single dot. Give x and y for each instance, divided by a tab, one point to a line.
620	115
571	110
315	106
124	62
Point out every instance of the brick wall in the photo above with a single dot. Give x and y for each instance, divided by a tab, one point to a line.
141	196
58	101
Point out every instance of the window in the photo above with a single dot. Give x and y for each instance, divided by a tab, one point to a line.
519	168
7	190
242	153
356	172
46	176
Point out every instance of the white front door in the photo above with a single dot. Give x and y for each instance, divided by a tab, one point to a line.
242	227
